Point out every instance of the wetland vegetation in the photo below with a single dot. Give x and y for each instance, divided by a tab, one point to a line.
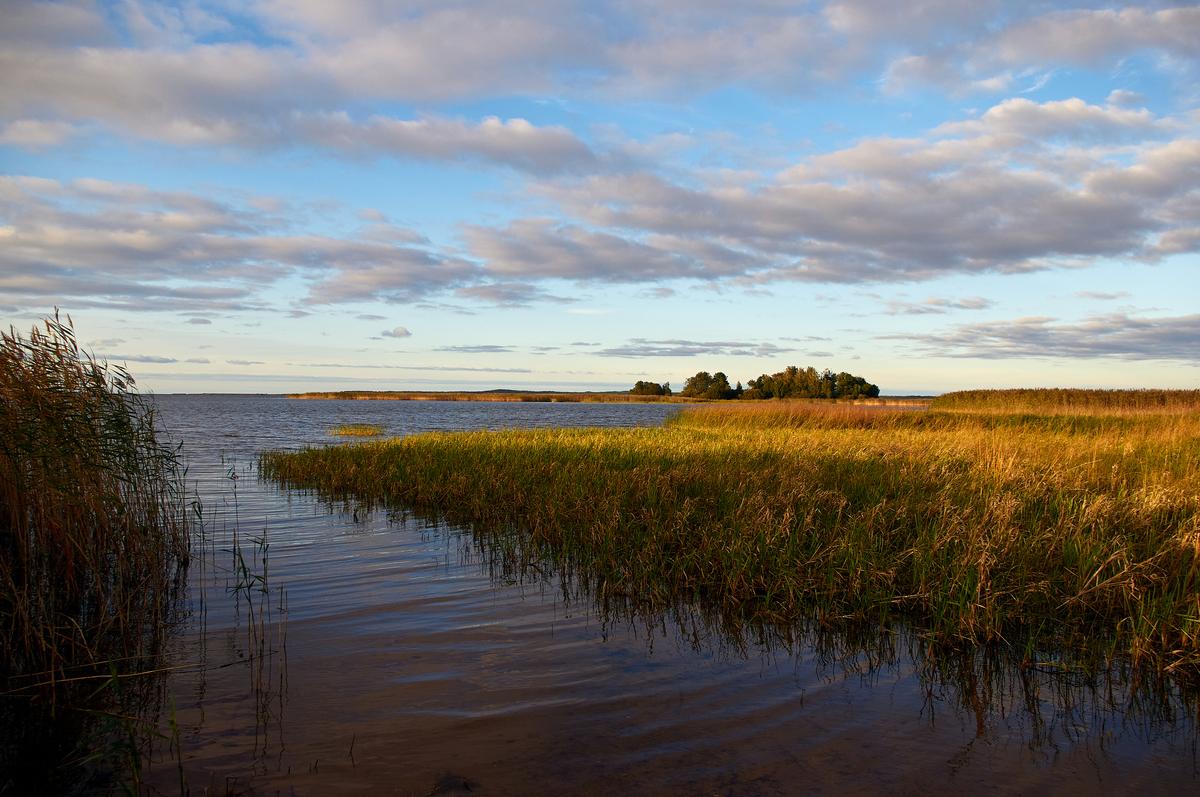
1054	524
357	430
95	540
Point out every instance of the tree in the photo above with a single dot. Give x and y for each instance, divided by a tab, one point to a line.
709	386
651	389
793	382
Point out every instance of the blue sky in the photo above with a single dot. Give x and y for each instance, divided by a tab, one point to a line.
273	196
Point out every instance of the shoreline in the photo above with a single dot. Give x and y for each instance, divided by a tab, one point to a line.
549	396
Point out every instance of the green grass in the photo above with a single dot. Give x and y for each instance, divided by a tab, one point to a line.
95	538
1022	528
357	430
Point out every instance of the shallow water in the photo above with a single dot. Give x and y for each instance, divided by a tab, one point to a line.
385	656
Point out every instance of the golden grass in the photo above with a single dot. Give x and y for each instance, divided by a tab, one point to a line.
1072	529
357	430
1070	401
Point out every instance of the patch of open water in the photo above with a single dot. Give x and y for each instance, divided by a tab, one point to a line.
386	656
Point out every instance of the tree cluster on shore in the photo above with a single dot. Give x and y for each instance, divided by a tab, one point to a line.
651	389
792	382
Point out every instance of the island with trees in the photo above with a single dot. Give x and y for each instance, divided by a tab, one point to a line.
792	382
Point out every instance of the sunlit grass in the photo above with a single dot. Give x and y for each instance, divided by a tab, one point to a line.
357	430
978	526
1070	400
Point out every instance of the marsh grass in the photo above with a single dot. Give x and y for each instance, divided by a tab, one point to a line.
95	541
1074	531
357	430
1070	401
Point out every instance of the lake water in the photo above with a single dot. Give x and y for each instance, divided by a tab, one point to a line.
369	652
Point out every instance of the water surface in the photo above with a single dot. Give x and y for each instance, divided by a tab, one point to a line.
371	652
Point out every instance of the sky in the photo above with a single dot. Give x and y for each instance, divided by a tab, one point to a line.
453	194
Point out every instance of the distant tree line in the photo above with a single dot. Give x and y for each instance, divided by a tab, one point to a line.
792	382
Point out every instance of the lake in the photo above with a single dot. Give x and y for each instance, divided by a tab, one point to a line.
353	651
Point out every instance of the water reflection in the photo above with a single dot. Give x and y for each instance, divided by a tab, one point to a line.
1051	703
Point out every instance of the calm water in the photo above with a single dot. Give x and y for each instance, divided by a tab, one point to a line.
368	653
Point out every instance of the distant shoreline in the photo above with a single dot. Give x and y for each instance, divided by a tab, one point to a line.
552	396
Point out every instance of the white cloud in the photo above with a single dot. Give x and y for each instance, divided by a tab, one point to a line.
125	245
1117	335
35	134
396	332
1011	191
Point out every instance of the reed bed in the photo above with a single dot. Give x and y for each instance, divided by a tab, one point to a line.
357	430
95	537
977	527
1070	401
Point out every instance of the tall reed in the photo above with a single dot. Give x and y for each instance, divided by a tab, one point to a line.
1063	530
94	531
1070	400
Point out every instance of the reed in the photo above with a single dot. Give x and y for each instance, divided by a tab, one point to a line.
977	527
94	537
357	430
1070	400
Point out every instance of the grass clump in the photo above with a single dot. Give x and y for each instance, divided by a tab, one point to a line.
357	430
977	527
93	538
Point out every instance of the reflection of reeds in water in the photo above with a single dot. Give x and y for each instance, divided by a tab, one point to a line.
1047	698
96	539
357	430
1031	530
262	608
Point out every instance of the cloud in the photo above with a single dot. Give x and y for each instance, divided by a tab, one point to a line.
35	134
138	358
198	360
1116	335
544	248
282	74
1103	296
508	294
245	362
1123	98
993	59
937	305
641	347
397	332
512	142
1070	118
199	321
480	348
126	246
1010	192
1093	37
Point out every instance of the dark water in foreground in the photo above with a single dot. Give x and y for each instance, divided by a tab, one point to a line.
373	654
